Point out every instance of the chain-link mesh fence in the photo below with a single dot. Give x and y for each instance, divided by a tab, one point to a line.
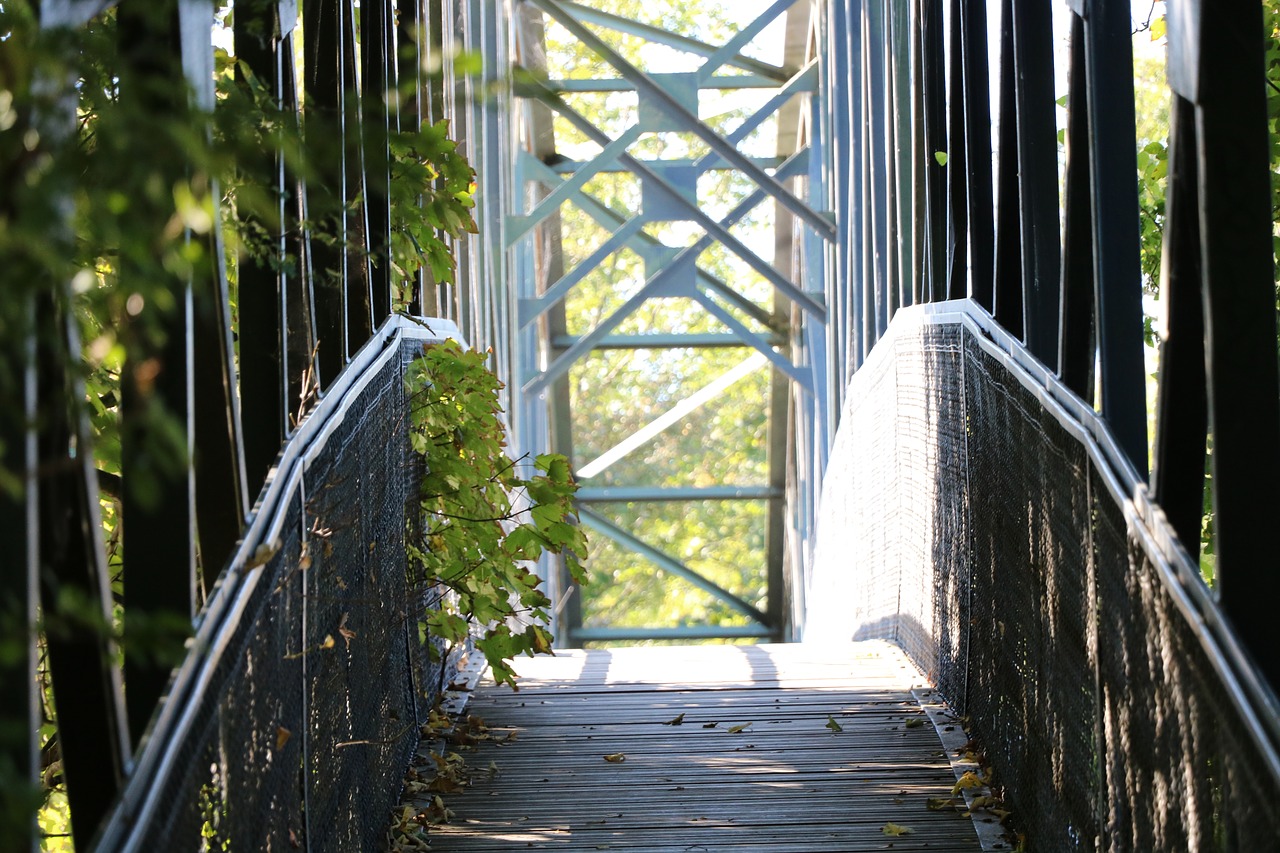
972	515
296	731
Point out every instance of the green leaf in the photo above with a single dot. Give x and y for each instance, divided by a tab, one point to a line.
461	542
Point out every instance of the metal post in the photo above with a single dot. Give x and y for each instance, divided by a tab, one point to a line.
1077	340
1117	277
1240	318
158	500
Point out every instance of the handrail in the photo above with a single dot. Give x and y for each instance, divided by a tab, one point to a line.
165	737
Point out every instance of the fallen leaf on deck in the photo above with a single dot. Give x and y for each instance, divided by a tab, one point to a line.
914	723
833	725
675	721
738	729
968	780
616	757
896	829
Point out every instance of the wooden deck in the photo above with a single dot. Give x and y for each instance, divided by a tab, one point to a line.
711	748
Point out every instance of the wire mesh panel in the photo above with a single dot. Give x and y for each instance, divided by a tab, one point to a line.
237	776
931	451
361	717
854	588
974	513
1030	663
293	724
1180	770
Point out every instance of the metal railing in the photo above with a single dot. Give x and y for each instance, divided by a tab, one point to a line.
914	230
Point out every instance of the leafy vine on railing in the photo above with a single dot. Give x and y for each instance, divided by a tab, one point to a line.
483	523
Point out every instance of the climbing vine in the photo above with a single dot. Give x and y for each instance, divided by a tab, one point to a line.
483	522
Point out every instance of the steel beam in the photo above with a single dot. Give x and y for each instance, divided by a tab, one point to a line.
636	494
680	632
1182	416
613	84
565	166
93	732
377	83
158	500
20	571
654	340
1037	158
1007	287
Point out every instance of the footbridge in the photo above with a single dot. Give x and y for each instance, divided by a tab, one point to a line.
836	308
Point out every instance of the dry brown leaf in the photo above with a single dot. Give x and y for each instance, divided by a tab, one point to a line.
968	780
738	729
347	634
282	737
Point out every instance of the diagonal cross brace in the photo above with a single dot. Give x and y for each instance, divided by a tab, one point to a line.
667	563
531	311
714	229
759	344
585	172
820	223
743	37
804	299
610	219
655	286
670	39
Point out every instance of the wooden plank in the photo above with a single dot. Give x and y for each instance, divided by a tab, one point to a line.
786	782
